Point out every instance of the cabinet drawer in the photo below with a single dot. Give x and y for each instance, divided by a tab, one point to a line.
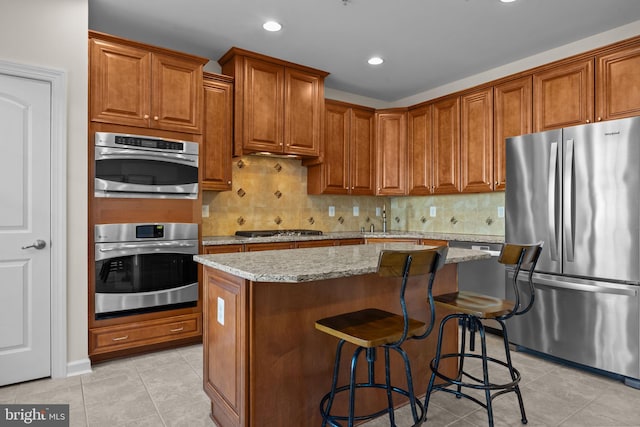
144	333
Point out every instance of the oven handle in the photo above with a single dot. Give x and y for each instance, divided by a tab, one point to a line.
111	250
137	155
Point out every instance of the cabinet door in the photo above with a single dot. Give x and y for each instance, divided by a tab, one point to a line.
476	141
335	165
420	150
563	96
618	84
391	152
263	106
215	156
302	114
361	151
512	117
120	84
446	145
176	99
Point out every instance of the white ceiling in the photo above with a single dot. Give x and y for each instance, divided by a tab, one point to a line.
425	43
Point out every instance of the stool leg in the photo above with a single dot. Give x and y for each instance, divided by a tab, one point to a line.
334	383
507	352
352	386
485	369
435	363
465	322
387	376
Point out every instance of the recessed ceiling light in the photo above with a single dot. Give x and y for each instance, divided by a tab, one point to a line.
376	60
507	1
272	26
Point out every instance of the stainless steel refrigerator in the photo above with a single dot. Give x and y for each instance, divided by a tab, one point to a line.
578	190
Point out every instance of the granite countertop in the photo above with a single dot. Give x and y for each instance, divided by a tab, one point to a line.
311	264
232	240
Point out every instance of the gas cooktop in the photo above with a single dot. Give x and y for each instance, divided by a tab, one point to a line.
272	233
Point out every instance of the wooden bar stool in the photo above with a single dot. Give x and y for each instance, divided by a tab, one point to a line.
469	309
372	328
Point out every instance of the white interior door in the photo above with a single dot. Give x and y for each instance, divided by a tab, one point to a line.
25	226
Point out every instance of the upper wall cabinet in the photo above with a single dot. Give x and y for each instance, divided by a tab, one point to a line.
512	116
347	165
563	95
217	132
278	105
134	84
476	141
618	83
446	145
391	152
420	150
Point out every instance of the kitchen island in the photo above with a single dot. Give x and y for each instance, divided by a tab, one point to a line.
265	364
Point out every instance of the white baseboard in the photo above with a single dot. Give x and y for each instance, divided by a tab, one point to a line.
78	367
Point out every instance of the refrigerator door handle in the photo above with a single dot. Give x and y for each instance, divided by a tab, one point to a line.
551	205
568	201
630	290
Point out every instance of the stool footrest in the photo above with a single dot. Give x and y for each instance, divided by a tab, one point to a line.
477	383
333	418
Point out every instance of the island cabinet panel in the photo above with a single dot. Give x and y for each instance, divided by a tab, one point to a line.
513	116
217	135
563	95
476	141
618	84
134	84
391	152
446	145
225	347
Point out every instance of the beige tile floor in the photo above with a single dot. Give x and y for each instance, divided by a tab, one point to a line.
165	389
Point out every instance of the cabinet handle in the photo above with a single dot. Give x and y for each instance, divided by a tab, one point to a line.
155	117
599	119
229	182
181	328
120	338
588	121
146	116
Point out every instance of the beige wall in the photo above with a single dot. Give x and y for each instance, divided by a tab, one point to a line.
271	193
53	34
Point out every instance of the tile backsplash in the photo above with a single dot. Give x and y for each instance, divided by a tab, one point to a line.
271	193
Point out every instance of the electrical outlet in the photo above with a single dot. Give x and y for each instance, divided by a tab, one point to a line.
332	211
378	211
432	211
221	311
500	211
356	211
205	211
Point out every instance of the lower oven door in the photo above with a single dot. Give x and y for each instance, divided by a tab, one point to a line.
143	276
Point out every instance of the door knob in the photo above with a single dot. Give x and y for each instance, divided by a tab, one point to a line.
39	244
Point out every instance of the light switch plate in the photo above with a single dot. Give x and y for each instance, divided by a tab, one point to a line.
500	211
332	211
432	211
205	211
356	211
378	211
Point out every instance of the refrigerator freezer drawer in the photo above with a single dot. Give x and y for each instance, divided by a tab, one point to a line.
596	324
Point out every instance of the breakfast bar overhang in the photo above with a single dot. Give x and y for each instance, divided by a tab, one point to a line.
265	364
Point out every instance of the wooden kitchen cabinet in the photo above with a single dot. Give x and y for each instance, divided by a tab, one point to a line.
563	95
618	83
420	150
252	247
391	152
278	105
476	141
348	156
217	134
134	84
512	116
446	145
222	249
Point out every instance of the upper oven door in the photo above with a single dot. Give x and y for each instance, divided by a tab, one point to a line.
139	172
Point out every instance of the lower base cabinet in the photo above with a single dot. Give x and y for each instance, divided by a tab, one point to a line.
105	341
